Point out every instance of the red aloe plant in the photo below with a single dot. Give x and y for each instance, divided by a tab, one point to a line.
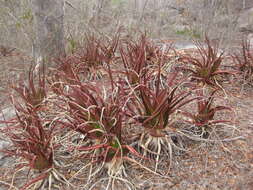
110	46
134	59
144	56
244	61
88	61
95	54
99	117
31	140
30	134
152	106
90	109
68	67
34	93
206	111
206	68
91	58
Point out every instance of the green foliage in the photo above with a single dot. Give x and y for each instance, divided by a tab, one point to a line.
189	33
18	24
27	16
72	44
116	2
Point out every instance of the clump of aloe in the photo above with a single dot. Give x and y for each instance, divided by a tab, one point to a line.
31	134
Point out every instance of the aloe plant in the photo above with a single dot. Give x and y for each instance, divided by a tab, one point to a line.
98	116
30	133
95	54
133	58
34	93
152	107
205	68
244	61
205	116
143	56
31	140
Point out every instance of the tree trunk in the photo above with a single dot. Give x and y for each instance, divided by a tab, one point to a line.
49	29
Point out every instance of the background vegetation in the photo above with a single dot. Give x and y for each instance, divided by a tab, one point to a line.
163	19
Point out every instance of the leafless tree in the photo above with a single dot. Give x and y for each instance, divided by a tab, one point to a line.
49	28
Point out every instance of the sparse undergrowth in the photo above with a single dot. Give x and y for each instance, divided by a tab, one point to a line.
113	109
